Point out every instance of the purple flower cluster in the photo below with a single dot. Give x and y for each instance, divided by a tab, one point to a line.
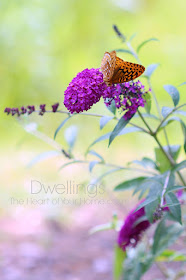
130	233
127	97
84	90
29	110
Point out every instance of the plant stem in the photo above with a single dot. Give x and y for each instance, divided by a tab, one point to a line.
168	156
146	124
164	189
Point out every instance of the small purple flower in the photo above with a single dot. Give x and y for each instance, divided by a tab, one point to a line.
84	90
43	110
55	107
31	109
127	97
23	110
7	110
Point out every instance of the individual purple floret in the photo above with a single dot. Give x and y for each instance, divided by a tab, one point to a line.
55	107
84	90
31	109
43	110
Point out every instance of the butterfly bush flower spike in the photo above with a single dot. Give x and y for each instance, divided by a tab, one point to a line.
84	90
128	97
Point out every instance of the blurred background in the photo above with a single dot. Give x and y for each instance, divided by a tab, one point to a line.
43	45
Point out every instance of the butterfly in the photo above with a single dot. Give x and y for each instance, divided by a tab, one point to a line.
116	71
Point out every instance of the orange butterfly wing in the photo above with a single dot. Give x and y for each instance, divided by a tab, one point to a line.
126	71
107	66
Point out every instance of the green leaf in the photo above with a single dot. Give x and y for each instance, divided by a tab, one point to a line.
130	184
175	188
146	162
147	97
42	157
150	70
162	161
107	135
165	237
102	227
60	126
183	113
118	128
92	152
71	162
183	126
119	257
166	111
70	135
104	120
144	43
146	202
179	166
92	164
174	206
124	51
132	37
173	92
150	209
105	174
184	83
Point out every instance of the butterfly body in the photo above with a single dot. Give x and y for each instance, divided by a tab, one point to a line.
115	70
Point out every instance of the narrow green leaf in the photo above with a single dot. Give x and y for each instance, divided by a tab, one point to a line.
165	111
60	126
174	206
92	164
124	51
99	228
42	157
144	43
118	128
150	209
147	97
179	166
184	83
119	258
130	184
94	153
183	126
107	135
175	188
150	70
69	163
146	202
132	37
70	135
146	162
173	92
105	174
165	237
104	120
